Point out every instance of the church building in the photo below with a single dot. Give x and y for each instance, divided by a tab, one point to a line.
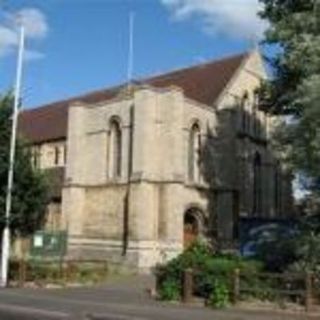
140	171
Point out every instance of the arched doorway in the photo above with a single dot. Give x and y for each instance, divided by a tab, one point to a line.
192	226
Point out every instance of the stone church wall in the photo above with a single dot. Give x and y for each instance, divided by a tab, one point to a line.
137	218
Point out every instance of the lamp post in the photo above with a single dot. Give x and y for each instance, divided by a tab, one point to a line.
5	252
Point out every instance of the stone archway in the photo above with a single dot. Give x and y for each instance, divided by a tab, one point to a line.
192	226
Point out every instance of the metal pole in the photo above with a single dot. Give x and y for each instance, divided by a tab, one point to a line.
130	53
5	253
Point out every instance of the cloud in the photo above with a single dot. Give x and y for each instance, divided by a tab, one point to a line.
36	27
34	21
33	55
8	40
232	18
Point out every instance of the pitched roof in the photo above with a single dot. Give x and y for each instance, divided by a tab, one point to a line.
203	83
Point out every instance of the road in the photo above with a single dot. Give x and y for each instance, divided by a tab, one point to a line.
121	300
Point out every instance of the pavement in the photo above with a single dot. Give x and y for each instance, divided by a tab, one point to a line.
121	299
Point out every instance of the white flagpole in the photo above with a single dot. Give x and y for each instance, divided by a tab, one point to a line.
130	53
5	253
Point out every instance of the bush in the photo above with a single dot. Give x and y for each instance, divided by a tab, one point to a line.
13	270
219	297
210	270
169	290
307	253
56	272
194	257
297	251
278	252
262	288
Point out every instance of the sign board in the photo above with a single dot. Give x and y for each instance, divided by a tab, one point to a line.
49	244
38	241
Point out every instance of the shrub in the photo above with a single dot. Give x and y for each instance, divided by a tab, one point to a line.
13	270
297	251
194	257
219	297
209	269
307	253
169	290
56	272
261	288
278	252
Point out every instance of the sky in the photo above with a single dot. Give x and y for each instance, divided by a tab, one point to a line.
76	46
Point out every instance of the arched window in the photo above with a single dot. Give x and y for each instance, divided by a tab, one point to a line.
115	145
194	153
257	185
36	158
56	155
244	112
64	154
255	115
256	99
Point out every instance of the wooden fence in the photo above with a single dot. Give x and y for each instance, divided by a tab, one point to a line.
302	288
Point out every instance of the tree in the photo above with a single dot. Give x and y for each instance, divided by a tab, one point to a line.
295	251
294	28
30	191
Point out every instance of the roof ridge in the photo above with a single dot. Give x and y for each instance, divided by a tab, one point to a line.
199	65
74	98
141	80
202	82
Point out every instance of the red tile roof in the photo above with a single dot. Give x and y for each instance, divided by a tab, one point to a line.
203	83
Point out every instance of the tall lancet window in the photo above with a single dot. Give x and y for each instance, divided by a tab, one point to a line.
244	112
194	153
257	185
115	145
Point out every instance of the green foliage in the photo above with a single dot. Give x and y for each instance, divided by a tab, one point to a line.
307	250
295	28
194	257
41	272
219	296
30	196
298	252
58	272
259	287
278	252
220	268
89	273
170	290
294	89
208	268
